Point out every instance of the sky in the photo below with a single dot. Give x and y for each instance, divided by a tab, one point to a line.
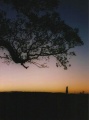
14	77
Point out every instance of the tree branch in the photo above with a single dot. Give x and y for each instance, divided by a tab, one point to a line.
24	66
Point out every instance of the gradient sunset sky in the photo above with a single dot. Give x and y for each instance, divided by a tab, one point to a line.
14	77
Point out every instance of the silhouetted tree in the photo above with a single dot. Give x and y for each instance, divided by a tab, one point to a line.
33	30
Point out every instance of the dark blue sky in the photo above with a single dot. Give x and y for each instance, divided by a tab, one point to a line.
75	14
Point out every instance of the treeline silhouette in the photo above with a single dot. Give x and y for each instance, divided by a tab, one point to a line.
43	106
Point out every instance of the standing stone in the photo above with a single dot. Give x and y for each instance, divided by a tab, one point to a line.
67	90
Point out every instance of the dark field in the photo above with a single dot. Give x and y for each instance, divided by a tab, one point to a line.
43	106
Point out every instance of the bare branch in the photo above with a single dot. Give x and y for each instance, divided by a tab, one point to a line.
39	65
24	66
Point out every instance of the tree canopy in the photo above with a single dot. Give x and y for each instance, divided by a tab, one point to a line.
33	29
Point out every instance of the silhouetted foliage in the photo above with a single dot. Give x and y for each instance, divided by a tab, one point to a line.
33	29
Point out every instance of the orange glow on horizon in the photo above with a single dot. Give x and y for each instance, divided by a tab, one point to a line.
16	78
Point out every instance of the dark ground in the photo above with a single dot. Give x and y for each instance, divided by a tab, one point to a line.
43	106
